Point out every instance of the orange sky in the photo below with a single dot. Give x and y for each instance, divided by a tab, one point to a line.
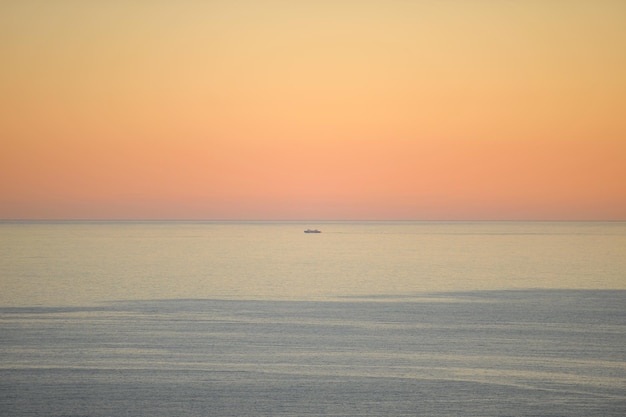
342	109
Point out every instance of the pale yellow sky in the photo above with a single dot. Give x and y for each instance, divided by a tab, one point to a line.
313	109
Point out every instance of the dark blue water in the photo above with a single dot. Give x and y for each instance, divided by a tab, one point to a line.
488	353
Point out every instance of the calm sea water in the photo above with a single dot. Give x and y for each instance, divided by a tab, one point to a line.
384	319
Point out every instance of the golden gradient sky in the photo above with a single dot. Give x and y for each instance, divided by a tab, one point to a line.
390	109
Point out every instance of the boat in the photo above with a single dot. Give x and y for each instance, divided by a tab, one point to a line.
312	231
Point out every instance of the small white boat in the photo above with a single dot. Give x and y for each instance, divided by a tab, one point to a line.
312	231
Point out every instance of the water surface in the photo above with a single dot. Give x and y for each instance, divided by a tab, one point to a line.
85	263
381	319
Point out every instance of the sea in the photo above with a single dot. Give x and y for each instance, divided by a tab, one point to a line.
138	319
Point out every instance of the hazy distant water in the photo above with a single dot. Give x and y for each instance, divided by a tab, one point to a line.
229	319
85	263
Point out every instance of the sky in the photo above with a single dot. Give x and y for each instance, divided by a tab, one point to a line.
313	110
